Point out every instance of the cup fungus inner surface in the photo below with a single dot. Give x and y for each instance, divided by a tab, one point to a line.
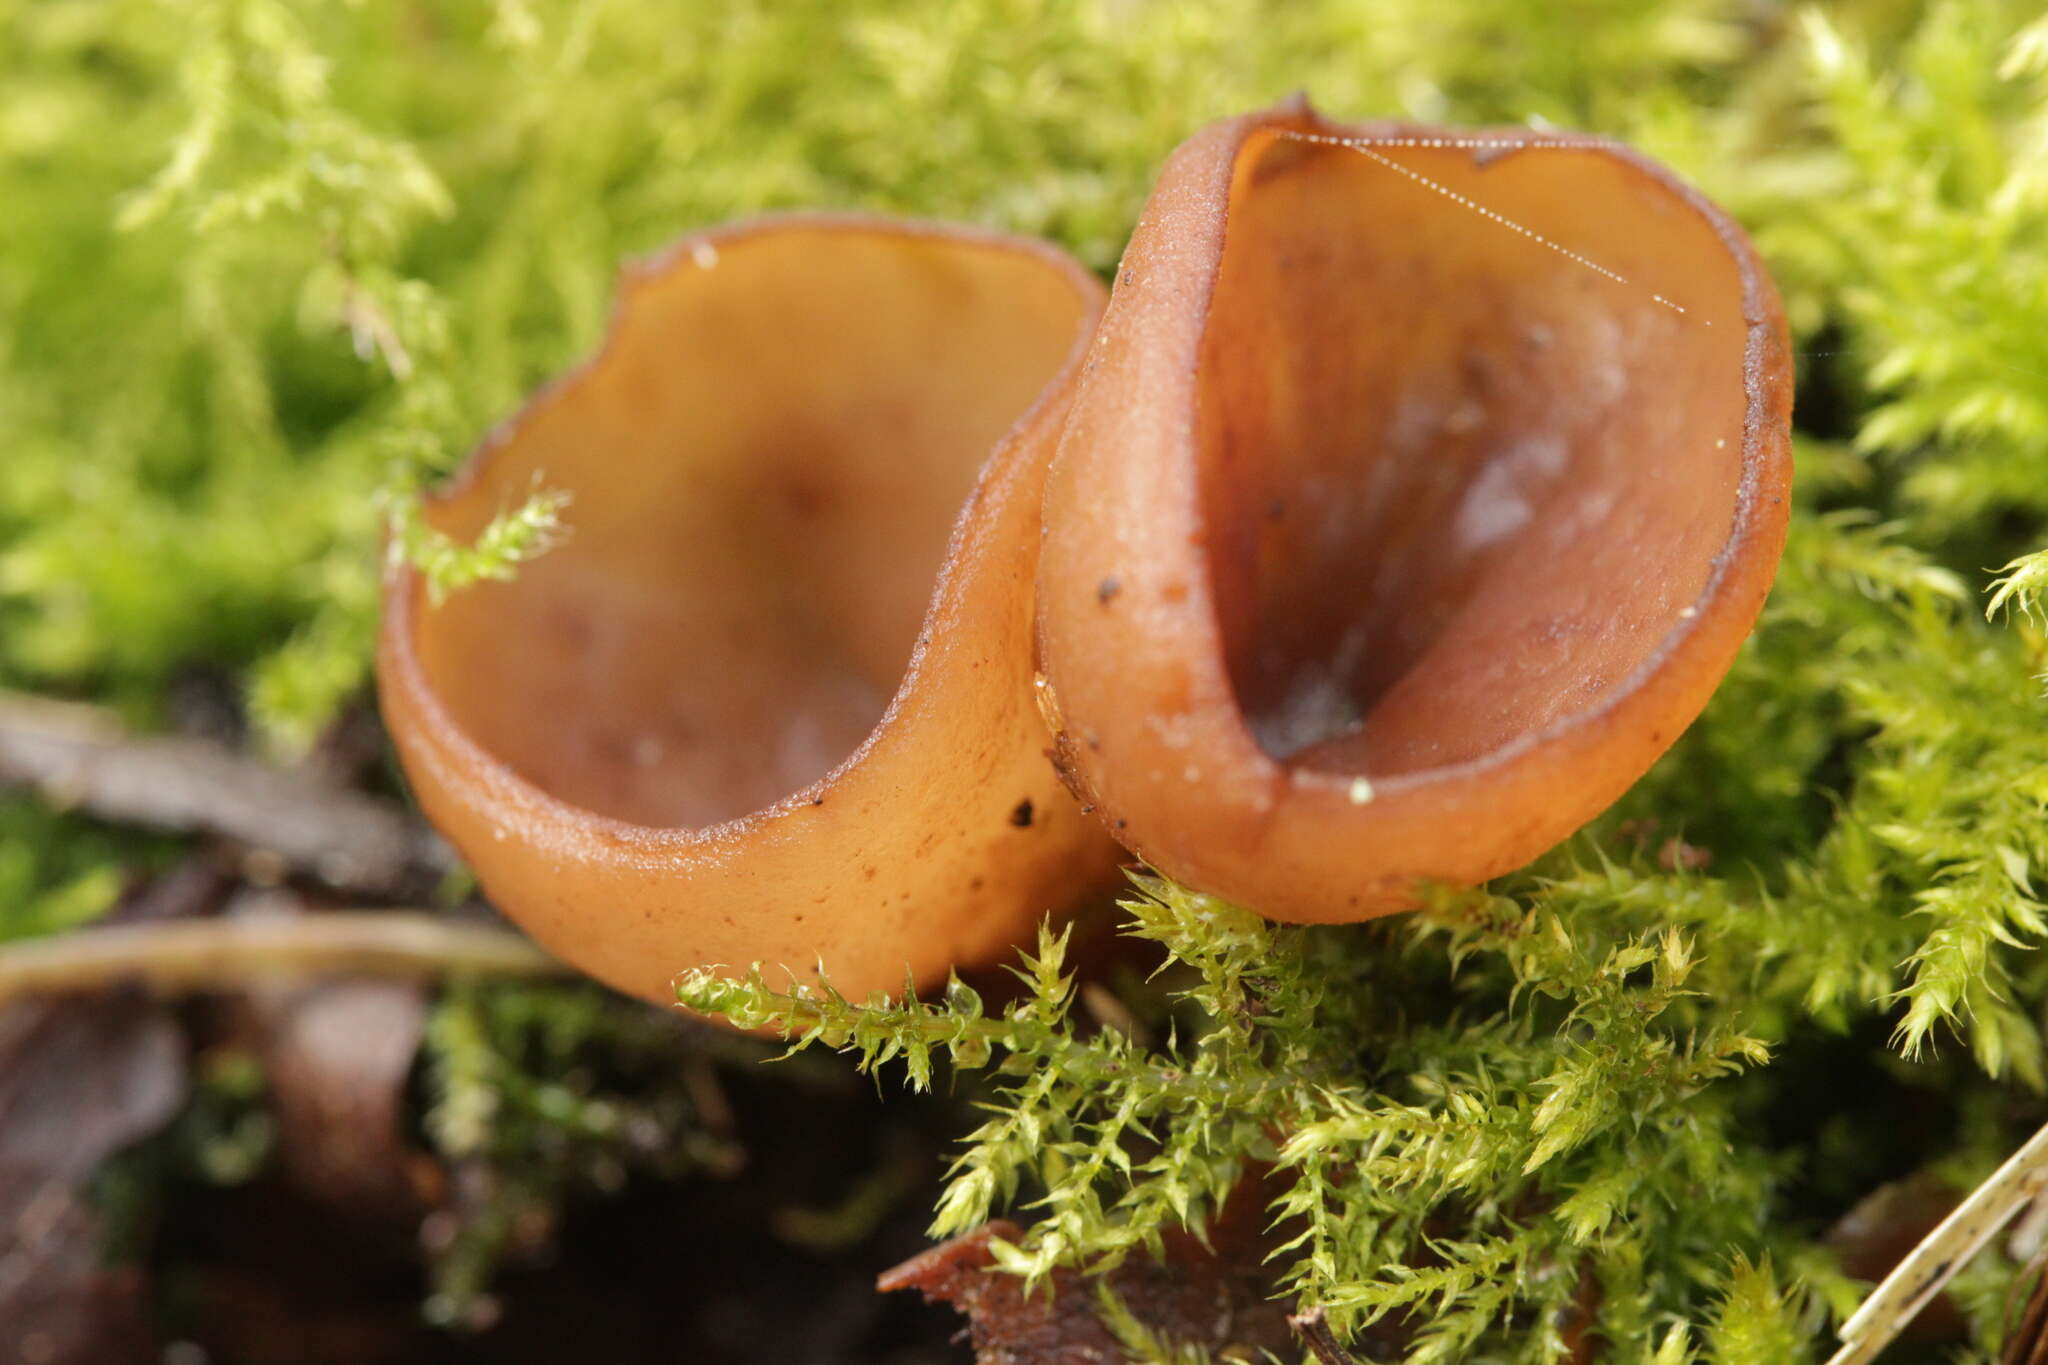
1470	435
764	467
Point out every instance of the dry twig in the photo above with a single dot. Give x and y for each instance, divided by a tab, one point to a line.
1315	1333
204	954
81	756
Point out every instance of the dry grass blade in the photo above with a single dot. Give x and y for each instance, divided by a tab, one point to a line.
203	954
1928	1267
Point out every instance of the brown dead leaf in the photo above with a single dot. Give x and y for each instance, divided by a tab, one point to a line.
58	1304
80	1079
1218	1297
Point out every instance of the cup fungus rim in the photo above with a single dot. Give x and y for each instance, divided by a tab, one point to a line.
1764	474
448	747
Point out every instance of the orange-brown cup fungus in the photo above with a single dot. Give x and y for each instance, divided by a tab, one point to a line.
1410	497
730	719
1420	489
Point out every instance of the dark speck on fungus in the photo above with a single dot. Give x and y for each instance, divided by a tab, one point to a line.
1448	521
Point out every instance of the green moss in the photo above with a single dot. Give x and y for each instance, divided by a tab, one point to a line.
54	873
269	268
543	1095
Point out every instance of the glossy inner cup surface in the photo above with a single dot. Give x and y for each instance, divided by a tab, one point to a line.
1470	430
764	468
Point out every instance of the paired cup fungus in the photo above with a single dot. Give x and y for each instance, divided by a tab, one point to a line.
1404	499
